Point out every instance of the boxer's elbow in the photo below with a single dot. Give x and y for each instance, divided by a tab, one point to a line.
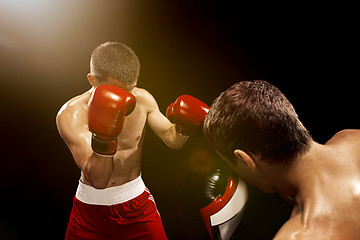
173	139
99	186
175	145
98	183
96	180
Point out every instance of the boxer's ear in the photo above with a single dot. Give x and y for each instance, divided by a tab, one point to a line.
92	80
243	157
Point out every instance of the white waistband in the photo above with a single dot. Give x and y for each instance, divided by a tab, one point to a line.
112	195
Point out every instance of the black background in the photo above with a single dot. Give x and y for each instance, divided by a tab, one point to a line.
185	47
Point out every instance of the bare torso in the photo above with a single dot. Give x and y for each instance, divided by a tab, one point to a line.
328	204
72	124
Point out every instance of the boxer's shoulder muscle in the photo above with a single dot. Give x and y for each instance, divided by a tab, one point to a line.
144	98
347	135
72	117
300	228
348	141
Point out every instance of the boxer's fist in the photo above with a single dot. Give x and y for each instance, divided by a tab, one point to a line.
188	113
108	107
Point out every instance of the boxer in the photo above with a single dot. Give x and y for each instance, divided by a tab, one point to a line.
104	130
256	130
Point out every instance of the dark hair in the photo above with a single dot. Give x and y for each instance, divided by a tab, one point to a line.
115	60
256	117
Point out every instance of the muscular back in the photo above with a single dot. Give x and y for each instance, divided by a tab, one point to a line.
73	127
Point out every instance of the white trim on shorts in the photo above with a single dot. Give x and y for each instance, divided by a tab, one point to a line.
112	195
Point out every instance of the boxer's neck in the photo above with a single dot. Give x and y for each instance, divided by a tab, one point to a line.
293	180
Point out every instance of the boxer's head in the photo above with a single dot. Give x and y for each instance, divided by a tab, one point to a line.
115	64
254	122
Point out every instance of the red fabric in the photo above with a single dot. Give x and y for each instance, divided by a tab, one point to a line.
134	219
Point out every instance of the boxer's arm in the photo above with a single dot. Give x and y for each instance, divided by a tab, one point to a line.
162	126
96	169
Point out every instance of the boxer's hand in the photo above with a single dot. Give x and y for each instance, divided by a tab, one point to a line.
188	114
108	107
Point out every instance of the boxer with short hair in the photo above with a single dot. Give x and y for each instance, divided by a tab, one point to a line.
256	130
104	130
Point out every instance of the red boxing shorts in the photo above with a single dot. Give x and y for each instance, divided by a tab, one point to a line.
122	212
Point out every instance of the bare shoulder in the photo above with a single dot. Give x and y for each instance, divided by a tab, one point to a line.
291	230
296	229
144	98
347	135
73	105
142	94
72	114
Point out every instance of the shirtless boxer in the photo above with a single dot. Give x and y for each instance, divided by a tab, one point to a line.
104	130
256	130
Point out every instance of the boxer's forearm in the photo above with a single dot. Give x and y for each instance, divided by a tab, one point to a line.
165	129
173	139
98	170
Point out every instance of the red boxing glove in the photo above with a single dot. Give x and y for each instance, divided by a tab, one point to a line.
108	107
188	113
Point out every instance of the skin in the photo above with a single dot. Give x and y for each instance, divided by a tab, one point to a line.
323	185
103	172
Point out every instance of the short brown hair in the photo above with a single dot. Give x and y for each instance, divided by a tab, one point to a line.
256	117
115	60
